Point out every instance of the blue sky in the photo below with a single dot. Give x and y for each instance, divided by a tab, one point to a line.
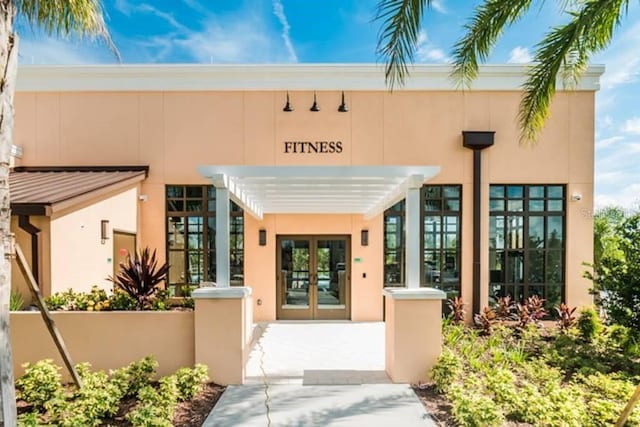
290	31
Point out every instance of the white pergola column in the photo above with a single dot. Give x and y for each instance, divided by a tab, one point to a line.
412	233
222	238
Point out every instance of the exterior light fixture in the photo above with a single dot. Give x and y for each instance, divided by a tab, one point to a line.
104	231
262	237
343	106
576	197
314	107
287	107
364	237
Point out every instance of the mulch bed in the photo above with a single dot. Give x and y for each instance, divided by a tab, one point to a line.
437	405
193	413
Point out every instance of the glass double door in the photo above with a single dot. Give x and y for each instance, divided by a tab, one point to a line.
313	277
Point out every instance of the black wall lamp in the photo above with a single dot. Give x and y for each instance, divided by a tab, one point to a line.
104	231
314	107
262	237
343	106
364	237
287	107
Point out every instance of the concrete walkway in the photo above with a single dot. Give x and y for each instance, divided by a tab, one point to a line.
310	406
318	374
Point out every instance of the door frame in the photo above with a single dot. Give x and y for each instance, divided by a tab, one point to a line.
313	312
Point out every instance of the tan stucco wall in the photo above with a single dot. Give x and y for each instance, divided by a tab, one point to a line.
174	132
108	340
79	260
413	338
223	334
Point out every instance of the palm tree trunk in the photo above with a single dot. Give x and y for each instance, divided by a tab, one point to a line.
8	72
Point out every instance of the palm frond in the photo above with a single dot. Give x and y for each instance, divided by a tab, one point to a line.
565	52
83	18
482	32
398	36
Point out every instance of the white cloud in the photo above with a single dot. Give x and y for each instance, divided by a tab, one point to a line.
278	10
632	126
123	7
48	50
438	6
167	17
622	58
519	55
606	142
427	51
241	39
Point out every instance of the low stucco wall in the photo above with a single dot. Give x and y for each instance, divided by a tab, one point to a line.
108	340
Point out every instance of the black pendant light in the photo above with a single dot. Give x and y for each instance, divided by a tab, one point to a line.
314	107
287	107
343	106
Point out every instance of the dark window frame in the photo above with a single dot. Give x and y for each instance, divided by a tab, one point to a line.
526	284
206	253
443	212
452	288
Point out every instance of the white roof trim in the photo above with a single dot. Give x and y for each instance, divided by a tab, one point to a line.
195	77
367	190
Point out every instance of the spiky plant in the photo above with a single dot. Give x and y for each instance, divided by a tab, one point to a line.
563	53
139	277
566	318
485	320
505	308
456	305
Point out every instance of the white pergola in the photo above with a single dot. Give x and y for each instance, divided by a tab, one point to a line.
366	190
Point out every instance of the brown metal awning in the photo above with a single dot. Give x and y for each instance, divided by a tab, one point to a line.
43	190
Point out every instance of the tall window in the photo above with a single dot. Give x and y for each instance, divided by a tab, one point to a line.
441	237
394	245
191	228
440	211
526	241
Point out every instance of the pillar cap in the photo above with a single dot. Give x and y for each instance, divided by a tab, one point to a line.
221	293
414	293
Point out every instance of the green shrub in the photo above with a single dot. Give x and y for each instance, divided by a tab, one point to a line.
120	300
130	379
98	398
29	419
446	370
156	407
40	383
589	324
190	381
16	301
474	409
606	396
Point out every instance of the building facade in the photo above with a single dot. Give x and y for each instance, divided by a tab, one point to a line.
312	184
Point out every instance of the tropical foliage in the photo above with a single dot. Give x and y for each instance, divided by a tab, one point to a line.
140	277
538	376
563	53
129	391
616	276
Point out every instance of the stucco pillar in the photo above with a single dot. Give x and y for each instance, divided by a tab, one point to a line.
222	238
223	331
413	332
412	233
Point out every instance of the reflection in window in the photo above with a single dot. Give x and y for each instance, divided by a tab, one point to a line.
394	250
526	241
441	219
191	229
